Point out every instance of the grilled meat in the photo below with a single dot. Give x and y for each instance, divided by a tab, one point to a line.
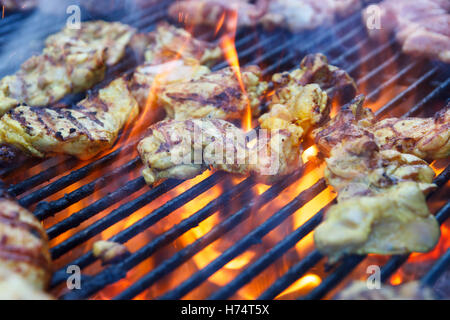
299	15
149	79
216	95
171	43
314	68
24	253
358	290
82	131
210	12
72	61
393	221
422	27
381	182
171	55
427	138
184	149
296	15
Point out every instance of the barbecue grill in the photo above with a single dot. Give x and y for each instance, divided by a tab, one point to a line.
218	236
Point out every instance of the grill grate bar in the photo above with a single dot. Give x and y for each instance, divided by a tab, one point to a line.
43	176
438	268
253	238
314	43
410	90
267	259
63	182
113	217
435	93
290	276
77	218
46	209
336	44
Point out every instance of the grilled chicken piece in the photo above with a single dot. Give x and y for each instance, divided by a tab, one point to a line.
393	221
216	95
18	5
427	138
381	203
113	37
422	27
172	55
299	15
184	149
149	79
72	61
82	131
15	287
210	12
170	43
24	253
314	68
358	290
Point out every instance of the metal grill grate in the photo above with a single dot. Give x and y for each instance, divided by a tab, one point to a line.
346	45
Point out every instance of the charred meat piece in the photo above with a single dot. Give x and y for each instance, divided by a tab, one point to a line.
171	55
381	185
72	61
314	68
170	43
422	27
393	221
109	251
149	79
216	95
210	12
358	290
83	131
299	15
184	149
427	138
25	261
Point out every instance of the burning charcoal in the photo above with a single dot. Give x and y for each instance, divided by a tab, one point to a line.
109	252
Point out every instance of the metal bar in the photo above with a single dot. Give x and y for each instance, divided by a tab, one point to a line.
291	276
435	93
441	266
267	259
115	216
46	209
43	176
67	180
348	264
407	92
77	218
291	56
